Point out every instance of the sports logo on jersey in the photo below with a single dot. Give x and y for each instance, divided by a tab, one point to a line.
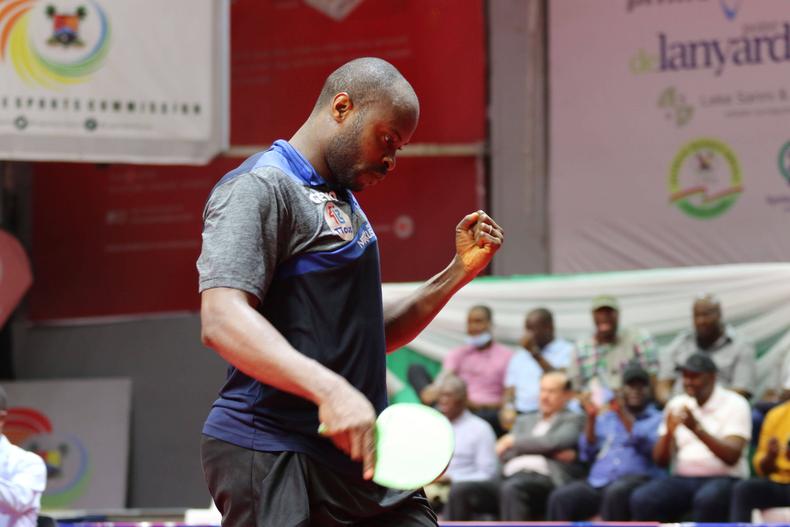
338	221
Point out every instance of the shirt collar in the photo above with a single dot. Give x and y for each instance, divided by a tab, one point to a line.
649	411
712	400
302	168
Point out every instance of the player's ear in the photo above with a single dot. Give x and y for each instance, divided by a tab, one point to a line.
341	106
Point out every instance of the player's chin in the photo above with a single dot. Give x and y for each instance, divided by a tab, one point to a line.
365	182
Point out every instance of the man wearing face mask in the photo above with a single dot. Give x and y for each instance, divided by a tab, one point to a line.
481	363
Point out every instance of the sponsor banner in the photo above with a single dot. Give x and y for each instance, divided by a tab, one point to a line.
123	240
110	81
669	136
283	52
81	430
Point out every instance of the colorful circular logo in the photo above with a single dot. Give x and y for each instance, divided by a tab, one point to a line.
53	44
65	456
784	161
705	179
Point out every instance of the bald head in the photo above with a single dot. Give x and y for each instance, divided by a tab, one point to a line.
707	320
555	391
368	80
452	396
366	112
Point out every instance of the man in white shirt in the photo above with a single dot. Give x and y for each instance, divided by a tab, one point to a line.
703	437
474	458
23	477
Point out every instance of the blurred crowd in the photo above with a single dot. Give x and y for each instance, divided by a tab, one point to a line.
610	427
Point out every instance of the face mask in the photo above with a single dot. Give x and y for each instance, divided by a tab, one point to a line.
479	341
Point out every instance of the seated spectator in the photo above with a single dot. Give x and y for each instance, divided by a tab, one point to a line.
538	456
773	396
734	356
772	462
23	477
474	458
619	443
601	359
541	352
480	363
703	435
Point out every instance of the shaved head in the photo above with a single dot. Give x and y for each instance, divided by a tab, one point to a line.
368	80
708	323
365	113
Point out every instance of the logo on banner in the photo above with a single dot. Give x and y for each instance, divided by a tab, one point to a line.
53	45
714	54
729	8
705	179
784	161
65	456
338	221
674	104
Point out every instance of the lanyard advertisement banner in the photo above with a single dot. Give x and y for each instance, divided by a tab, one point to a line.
670	136
113	81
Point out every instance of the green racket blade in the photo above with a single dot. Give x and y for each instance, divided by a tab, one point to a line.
414	445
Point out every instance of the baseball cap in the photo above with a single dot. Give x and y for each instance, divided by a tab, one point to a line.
601	301
635	372
699	363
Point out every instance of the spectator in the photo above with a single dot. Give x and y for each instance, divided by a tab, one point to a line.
772	461
784	380
703	434
776	394
23	477
734	356
619	443
542	352
538	456
480	363
601	359
474	458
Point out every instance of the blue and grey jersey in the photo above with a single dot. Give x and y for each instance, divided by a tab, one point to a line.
275	229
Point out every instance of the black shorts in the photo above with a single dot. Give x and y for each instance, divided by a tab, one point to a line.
289	489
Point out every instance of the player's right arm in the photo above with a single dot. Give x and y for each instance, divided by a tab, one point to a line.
232	327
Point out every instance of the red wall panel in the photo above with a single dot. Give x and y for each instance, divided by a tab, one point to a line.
119	240
282	50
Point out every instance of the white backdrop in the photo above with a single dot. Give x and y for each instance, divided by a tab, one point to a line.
140	81
670	133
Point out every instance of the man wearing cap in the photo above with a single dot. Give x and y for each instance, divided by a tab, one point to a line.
619	443
703	437
734	356
599	361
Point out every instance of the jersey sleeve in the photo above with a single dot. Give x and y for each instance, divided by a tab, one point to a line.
241	235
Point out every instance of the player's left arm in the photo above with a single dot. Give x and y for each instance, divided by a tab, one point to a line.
477	238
